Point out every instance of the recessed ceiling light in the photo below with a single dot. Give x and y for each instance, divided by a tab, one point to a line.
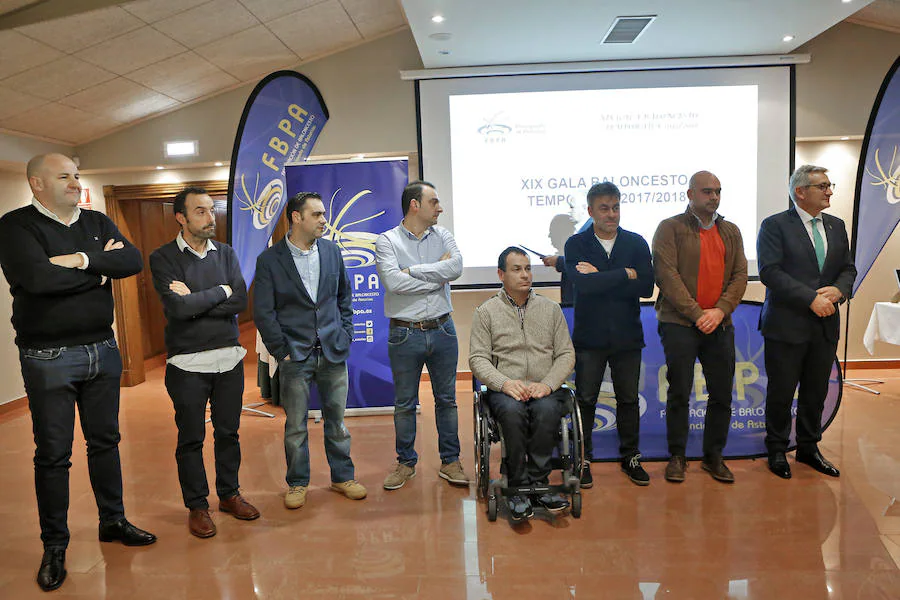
845	138
181	148
219	164
787	38
846	1
437	19
159	167
444	52
441	36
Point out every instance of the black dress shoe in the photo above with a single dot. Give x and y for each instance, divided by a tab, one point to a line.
818	462
125	532
778	464
53	569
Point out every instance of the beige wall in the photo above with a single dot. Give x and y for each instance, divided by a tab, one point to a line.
14	193
836	90
371	110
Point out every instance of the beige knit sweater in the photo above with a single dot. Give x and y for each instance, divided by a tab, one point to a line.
502	348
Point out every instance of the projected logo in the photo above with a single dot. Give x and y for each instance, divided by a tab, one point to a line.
265	203
357	247
605	414
890	178
493	130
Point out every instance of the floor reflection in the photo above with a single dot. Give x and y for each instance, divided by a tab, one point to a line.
810	537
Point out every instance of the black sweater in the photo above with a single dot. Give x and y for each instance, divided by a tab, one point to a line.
55	306
608	304
204	319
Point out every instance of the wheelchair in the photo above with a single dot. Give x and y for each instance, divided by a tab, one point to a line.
568	458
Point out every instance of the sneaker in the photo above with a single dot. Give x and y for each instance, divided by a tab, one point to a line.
636	473
553	502
587	480
295	497
400	475
352	489
519	508
675	469
453	472
716	467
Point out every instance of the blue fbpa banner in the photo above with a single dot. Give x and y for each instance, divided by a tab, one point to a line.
362	199
748	420
877	209
281	122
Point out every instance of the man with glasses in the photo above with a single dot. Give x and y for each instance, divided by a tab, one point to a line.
698	258
805	264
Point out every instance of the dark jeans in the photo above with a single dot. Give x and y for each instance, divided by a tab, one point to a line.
56	379
809	365
409	349
530	432
590	365
190	392
683	346
332	382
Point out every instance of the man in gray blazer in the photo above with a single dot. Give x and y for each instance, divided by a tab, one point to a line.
805	264
301	306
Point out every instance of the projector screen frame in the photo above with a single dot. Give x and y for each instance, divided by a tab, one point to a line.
700	64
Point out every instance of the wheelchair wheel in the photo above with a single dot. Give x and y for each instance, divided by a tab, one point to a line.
576	505
492	507
577	444
482	453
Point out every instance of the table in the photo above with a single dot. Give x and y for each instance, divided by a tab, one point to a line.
884	325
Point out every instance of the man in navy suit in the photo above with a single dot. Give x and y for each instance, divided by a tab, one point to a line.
301	306
805	264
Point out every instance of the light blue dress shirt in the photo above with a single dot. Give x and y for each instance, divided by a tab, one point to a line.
424	293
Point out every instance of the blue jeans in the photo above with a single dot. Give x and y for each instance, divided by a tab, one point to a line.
56	379
409	349
331	381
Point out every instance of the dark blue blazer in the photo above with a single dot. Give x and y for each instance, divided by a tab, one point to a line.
788	269
288	320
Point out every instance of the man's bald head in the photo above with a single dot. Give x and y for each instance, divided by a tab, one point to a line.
54	181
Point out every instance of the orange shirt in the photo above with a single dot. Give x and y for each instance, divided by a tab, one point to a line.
711	274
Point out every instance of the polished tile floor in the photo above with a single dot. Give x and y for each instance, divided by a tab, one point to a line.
807	538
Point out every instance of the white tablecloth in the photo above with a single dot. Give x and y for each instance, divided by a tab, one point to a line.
884	325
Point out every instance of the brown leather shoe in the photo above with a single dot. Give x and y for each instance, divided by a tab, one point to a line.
240	508
200	523
675	469
716	467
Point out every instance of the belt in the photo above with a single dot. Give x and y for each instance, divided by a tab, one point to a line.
423	325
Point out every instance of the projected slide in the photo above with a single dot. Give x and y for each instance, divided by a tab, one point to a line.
522	162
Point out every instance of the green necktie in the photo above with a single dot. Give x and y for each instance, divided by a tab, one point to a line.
818	243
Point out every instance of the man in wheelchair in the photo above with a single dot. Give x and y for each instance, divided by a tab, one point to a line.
521	350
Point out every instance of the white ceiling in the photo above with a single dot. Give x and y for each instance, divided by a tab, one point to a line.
536	31
82	76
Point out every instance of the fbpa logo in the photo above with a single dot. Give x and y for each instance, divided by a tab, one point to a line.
357	247
265	203
890	179
492	131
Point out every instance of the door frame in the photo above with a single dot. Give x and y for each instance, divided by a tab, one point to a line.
125	291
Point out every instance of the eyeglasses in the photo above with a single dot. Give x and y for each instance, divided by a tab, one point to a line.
822	186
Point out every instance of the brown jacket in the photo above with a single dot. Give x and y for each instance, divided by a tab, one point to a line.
676	263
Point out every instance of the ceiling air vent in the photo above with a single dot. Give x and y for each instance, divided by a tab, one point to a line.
626	30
